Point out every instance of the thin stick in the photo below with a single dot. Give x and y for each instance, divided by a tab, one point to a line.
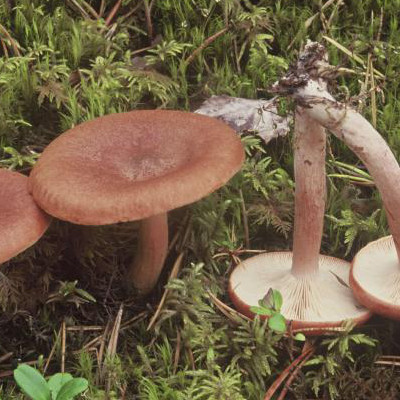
52	351
225	309
6	356
136	318
392	363
183	225
92	343
14	43
82	10
244	251
350	54
378	36
389	358
11	372
364	85
112	345
85	328
100	374
335	9
373	94
63	345
245	220
142	50
191	357
310	20
91	9
181	245
275	386
206	43
174	273
293	375
102	8
112	13
109	286
147	13
128	14
3	45
177	351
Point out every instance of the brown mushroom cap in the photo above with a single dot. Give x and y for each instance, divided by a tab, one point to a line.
315	302
22	223
375	277
132	165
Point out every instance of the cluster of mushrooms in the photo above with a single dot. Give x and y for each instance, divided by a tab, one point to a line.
319	292
141	164
121	167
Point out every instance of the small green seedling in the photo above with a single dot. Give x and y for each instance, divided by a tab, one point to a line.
58	387
270	306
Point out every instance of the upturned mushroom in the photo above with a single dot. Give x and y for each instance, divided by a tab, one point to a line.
22	223
375	273
314	288
136	166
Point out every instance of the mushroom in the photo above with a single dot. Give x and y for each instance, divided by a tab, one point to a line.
22	223
375	277
375	273
315	290
135	166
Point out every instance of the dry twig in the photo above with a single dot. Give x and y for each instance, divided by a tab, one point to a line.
112	13
206	43
308	350
63	345
52	351
174	273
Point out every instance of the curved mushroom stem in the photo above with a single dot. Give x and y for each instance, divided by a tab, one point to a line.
304	84
151	253
363	140
309	169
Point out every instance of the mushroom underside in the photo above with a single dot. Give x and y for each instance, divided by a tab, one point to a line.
375	277
323	298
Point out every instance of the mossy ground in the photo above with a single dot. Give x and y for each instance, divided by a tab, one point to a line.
64	62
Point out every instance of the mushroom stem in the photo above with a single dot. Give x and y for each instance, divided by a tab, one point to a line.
362	138
150	254
309	169
305	83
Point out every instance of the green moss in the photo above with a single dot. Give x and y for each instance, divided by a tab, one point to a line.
61	64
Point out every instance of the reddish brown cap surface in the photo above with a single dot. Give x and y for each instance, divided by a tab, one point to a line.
22	223
133	165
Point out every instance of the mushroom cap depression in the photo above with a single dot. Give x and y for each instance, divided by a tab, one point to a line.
375	277
133	165
22	223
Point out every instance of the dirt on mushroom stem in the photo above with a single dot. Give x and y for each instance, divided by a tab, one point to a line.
346	124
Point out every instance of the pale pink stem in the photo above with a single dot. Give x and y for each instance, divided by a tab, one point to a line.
150	254
309	169
364	140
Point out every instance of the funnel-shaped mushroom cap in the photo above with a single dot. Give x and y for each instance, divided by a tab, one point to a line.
375	277
130	166
318	301
22	223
